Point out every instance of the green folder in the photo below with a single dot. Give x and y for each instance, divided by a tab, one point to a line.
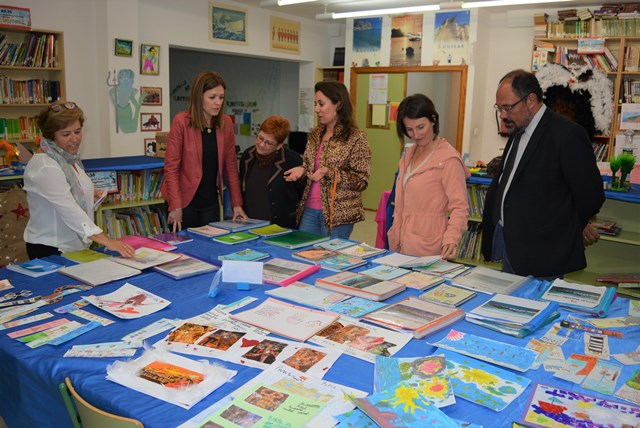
295	239
235	238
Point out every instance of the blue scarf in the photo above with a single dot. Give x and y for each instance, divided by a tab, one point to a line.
66	161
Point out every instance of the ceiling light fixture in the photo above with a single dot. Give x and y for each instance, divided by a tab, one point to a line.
288	2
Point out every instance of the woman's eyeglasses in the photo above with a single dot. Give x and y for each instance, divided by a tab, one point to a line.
265	141
69	105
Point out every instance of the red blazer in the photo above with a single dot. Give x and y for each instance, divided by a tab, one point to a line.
183	162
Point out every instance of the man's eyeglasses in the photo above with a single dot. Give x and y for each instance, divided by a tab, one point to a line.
69	105
265	141
509	107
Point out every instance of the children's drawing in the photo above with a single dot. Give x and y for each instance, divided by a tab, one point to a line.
124	99
128	302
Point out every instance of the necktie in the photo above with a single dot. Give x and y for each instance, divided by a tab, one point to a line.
504	178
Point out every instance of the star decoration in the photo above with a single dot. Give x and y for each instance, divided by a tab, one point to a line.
21	211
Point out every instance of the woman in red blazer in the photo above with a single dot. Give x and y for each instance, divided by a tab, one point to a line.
200	146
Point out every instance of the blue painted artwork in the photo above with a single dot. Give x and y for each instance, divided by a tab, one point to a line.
356	307
367	34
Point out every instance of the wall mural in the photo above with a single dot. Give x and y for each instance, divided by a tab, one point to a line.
125	99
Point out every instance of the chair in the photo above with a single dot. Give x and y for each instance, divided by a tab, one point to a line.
84	415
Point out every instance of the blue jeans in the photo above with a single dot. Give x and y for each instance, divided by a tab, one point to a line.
313	222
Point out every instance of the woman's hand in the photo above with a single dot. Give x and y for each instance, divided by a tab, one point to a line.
449	251
123	248
175	218
238	213
319	173
294	174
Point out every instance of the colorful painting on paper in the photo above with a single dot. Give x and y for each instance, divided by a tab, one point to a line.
285	35
427	375
550	406
403	407
482	383
170	375
406	40
367	37
451	38
500	353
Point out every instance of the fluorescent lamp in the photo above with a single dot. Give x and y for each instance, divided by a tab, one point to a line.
390	11
493	3
451	5
288	2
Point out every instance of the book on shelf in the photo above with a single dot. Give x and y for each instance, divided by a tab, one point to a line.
296	239
357	284
385	273
172	238
99	271
285	319
137	241
185	267
104	180
419	280
235	238
490	281
618	277
594	300
415	315
283	272
270	230
35	267
208	231
447	295
240	224
246	255
307	294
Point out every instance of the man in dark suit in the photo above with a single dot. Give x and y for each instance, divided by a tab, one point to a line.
546	189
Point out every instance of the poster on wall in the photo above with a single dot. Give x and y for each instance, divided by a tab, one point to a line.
451	38
406	40
227	24
285	35
367	37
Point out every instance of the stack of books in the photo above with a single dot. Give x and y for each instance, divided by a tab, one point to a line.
515	316
540	24
329	259
605	226
239	224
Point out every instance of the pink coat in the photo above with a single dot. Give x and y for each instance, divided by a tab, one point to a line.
431	209
183	162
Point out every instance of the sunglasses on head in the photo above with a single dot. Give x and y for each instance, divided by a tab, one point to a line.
69	105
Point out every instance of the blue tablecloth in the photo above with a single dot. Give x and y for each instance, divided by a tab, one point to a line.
29	395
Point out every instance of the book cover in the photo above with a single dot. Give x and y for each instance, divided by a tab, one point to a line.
284	272
355	307
137	241
99	271
314	255
270	230
591	299
295	239
246	255
172	238
418	316
286	319
447	295
185	267
239	224
421	262
356	284
385	273
335	244
83	256
208	231
394	259
35	267
362	250
619	277
419	280
307	294
516	312
490	281
128	302
145	258
235	238
104	180
341	262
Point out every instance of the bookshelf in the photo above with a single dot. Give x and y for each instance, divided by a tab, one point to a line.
32	75
330	73
611	254
137	208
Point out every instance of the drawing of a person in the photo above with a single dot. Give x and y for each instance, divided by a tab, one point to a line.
150	59
123	97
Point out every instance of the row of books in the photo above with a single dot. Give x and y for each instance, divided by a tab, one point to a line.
19	128
475	196
145	220
594	28
631	59
600	150
604	62
140	185
540	24
33	91
469	247
36	50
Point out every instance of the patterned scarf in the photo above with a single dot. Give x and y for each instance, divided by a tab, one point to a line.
66	161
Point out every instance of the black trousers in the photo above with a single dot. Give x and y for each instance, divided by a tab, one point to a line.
38	251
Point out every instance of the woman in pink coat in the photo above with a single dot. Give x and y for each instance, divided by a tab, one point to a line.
431	208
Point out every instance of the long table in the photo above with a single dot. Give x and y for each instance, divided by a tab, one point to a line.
29	396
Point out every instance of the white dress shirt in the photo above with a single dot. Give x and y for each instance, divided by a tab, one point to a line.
55	218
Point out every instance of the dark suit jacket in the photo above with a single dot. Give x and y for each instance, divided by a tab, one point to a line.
183	162
284	196
556	189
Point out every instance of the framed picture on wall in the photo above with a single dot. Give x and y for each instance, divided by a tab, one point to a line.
123	47
285	35
151	121
150	147
149	59
227	24
151	95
